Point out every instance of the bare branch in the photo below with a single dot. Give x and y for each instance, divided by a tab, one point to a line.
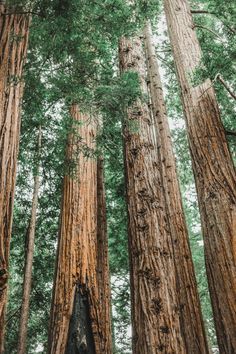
230	132
220	78
202	12
13	315
205	12
165	62
210	30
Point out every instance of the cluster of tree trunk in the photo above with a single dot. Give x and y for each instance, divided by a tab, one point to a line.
166	313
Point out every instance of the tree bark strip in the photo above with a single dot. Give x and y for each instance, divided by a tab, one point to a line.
103	275
213	170
189	304
14	31
30	238
154	299
75	314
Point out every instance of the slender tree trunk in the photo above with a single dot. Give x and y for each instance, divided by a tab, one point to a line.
14	31
22	339
213	170
75	315
155	315
103	262
190	310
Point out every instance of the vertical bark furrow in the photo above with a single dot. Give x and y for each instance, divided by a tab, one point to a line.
214	173
14	30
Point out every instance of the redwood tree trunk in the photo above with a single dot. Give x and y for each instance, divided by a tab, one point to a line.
14	31
213	170
22	339
190	310
103	275
75	314
154	298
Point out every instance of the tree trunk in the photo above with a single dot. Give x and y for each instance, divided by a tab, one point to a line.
213	170
75	314
103	262
155	315
14	31
189	304
30	237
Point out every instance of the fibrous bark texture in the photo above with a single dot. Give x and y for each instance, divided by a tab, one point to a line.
14	31
213	170
75	325
155	314
189	304
103	276
30	237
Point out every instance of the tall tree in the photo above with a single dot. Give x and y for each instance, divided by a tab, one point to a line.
75	325
213	169
103	276
190	310
154	298
14	30
30	237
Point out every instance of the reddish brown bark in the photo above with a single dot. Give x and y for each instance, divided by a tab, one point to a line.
154	298
189	304
14	30
22	338
103	275
213	170
75	325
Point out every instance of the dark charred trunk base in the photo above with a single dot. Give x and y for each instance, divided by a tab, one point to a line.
80	336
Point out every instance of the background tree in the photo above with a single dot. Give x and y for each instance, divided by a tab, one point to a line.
29	249
103	274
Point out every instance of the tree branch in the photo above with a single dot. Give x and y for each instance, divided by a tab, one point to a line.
210	30
202	12
165	62
230	132
13	315
205	12
220	78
